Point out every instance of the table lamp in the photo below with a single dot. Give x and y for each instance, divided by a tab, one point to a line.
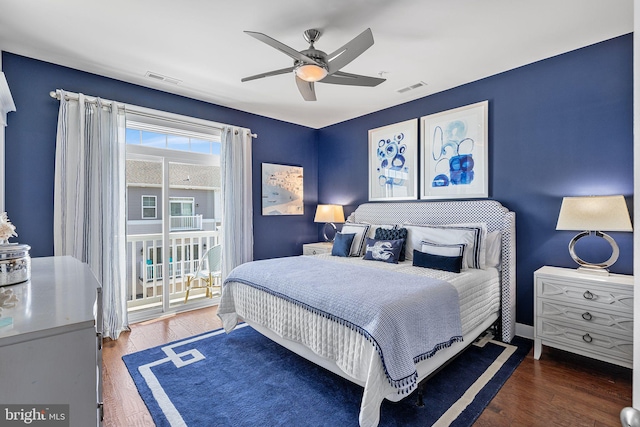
329	214
591	215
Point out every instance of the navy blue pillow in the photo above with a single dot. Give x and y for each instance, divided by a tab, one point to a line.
342	244
383	250
393	234
437	262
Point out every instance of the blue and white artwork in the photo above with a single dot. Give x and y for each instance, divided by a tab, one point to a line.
393	162
282	189
454	152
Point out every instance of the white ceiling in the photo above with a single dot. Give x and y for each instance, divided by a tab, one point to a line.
444	43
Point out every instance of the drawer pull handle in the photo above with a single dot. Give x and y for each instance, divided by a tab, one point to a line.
587	338
587	316
588	295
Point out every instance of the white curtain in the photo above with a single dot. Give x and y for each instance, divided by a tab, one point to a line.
89	200
237	204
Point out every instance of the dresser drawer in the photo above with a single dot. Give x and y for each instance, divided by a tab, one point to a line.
589	293
587	318
590	342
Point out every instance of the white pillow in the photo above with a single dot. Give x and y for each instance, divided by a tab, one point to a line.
481	248
360	231
469	235
494	249
442	249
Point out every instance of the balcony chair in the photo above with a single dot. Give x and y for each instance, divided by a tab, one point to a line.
208	272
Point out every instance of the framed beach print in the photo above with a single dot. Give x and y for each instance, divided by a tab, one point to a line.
282	189
455	155
393	161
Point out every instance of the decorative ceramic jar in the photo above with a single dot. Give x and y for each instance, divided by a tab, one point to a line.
15	263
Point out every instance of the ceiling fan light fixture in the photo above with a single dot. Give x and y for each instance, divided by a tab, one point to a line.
311	72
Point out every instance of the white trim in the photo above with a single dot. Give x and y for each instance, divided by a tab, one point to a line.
636	203
6	100
524	331
6	105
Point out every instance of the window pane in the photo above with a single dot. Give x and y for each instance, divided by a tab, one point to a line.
148	201
133	136
200	146
187	209
148	212
176	209
215	147
152	139
175	142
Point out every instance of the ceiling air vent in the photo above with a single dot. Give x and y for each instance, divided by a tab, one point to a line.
161	78
412	87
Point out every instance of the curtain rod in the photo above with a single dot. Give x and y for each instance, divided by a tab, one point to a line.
55	94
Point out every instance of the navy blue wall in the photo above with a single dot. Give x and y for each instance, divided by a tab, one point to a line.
558	127
30	151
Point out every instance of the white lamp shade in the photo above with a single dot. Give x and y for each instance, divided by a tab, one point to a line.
329	213
594	213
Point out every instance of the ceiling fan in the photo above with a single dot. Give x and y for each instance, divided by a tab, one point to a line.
313	65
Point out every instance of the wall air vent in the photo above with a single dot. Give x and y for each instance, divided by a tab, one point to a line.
412	87
161	78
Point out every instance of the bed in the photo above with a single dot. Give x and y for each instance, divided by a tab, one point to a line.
306	303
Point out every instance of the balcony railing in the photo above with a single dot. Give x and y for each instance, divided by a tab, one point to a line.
145	264
192	222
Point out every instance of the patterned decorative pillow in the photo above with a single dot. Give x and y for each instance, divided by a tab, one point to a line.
383	250
360	231
394	234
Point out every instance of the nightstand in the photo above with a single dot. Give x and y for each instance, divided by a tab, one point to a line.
586	314
317	248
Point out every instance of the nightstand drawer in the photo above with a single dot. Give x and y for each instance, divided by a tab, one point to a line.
585	341
591	294
602	321
317	248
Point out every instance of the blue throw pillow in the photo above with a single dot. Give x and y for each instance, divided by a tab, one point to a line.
383	250
437	262
342	244
393	234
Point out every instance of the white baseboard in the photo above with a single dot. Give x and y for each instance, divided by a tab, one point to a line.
524	331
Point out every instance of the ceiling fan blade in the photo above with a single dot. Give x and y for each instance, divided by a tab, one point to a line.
306	89
342	78
350	51
268	74
282	47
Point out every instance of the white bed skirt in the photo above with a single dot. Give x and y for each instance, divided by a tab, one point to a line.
335	347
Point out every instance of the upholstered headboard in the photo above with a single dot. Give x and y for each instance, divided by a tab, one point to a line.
491	212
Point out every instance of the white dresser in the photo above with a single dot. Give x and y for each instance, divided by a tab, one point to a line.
51	353
584	313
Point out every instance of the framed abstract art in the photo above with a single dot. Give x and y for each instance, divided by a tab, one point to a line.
454	146
393	162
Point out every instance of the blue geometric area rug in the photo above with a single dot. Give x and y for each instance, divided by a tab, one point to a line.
244	379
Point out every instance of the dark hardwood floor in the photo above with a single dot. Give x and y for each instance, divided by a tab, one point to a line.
560	389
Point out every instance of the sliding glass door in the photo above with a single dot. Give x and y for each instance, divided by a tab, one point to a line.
173	217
